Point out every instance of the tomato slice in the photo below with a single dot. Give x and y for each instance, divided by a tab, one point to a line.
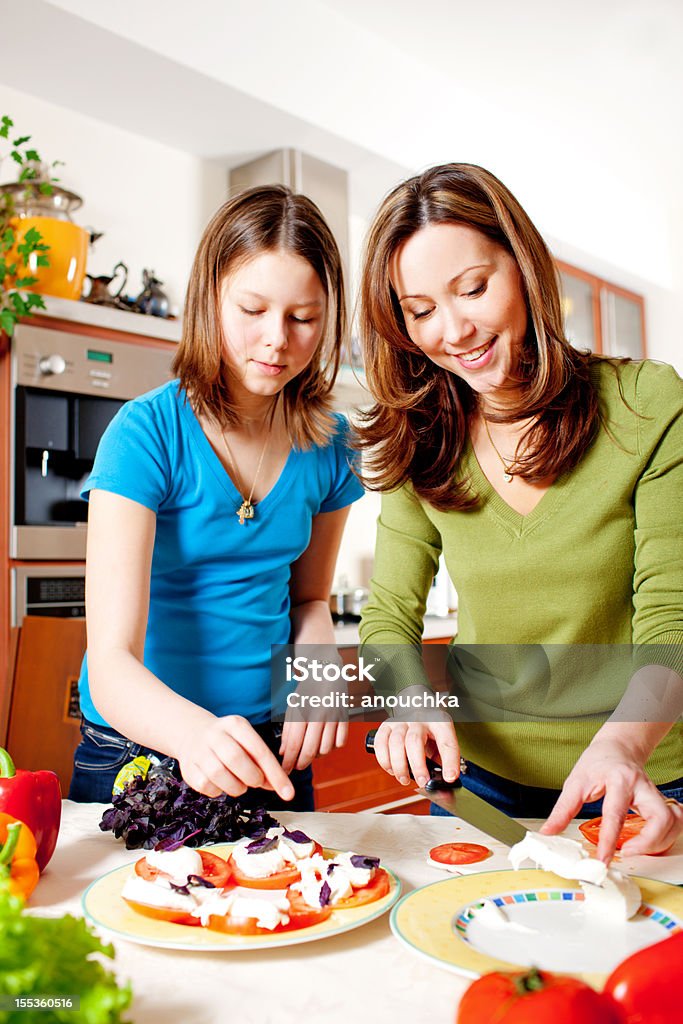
459	853
214	869
280	880
633	824
377	887
300	916
163	913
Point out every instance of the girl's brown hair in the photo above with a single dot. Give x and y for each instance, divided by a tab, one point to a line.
417	429
254	221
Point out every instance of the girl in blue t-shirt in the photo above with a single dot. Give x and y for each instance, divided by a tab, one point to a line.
217	505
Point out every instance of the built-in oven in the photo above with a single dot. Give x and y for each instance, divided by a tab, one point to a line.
65	389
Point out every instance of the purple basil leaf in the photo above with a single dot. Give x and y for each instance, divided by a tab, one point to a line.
200	880
182	889
262	845
358	861
325	894
331	867
174	844
297	836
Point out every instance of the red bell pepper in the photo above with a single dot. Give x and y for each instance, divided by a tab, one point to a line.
34	798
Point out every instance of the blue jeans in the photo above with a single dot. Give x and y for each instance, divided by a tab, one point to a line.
531	801
102	753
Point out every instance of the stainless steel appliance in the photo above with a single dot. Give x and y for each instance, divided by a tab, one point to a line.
65	389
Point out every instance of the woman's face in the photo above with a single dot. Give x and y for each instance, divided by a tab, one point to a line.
462	299
273	313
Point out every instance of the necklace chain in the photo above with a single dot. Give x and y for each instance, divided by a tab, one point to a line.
246	509
508	475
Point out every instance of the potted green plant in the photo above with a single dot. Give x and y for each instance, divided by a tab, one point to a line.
19	257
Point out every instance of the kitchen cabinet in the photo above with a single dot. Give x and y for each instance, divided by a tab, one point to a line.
44	715
601	316
349	779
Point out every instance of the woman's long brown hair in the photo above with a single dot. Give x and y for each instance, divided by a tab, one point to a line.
262	219
417	429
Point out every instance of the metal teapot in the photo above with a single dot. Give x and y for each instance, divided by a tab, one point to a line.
100	292
152	299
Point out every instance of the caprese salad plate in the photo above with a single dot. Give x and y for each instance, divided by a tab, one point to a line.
104	905
506	920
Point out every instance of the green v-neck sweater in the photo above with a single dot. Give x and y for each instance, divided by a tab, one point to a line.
599	561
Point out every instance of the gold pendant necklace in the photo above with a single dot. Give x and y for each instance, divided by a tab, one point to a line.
508	475
246	509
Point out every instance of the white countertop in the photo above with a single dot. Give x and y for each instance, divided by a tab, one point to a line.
365	975
435	627
115	319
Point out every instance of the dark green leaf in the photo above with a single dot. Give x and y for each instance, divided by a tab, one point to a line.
33	154
46	188
6	123
18	302
43	261
21	140
25	282
17	157
34	301
7	320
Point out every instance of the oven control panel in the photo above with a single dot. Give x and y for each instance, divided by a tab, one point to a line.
60	361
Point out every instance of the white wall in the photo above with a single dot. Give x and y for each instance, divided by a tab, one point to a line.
151	201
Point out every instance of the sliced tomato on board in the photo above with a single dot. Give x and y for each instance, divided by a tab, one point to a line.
280	880
459	853
162	913
300	916
214	869
633	824
377	887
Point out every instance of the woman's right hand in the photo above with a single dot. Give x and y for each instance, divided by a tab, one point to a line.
402	747
228	756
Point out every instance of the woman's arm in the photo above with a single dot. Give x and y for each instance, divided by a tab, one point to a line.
310	587
216	755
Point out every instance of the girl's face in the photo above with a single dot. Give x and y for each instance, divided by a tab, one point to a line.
462	299
273	313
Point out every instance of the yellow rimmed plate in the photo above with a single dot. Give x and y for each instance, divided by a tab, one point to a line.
104	907
550	931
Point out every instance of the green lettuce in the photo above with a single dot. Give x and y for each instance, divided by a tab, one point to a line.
56	956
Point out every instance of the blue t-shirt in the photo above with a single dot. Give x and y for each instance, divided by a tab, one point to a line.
219	592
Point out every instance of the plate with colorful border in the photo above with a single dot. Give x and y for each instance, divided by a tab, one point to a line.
104	907
548	927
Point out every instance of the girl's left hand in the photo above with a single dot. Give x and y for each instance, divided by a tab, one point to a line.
608	769
302	742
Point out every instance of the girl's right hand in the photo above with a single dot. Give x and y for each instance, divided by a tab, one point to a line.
229	756
402	748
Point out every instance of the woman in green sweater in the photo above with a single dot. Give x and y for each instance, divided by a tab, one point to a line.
552	481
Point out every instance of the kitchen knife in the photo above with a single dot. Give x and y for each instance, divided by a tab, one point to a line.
454	798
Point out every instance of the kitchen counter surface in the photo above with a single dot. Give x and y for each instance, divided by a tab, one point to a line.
365	975
115	319
435	627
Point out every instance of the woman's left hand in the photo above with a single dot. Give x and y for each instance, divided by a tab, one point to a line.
608	769
302	742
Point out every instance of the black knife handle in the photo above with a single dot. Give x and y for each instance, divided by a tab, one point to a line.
436	780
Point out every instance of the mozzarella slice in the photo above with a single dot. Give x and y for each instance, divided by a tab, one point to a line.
617	899
177	863
565	857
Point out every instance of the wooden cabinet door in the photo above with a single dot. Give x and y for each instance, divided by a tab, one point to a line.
44	715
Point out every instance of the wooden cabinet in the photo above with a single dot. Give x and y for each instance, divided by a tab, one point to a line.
600	316
44	715
349	779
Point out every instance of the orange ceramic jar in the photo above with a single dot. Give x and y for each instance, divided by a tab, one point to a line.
67	255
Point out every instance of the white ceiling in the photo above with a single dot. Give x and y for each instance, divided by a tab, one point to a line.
593	88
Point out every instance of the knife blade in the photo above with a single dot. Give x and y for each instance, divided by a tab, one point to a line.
454	798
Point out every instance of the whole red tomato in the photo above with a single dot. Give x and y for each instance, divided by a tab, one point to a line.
534	997
647	985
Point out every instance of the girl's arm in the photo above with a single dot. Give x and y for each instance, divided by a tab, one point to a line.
215	755
310	587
